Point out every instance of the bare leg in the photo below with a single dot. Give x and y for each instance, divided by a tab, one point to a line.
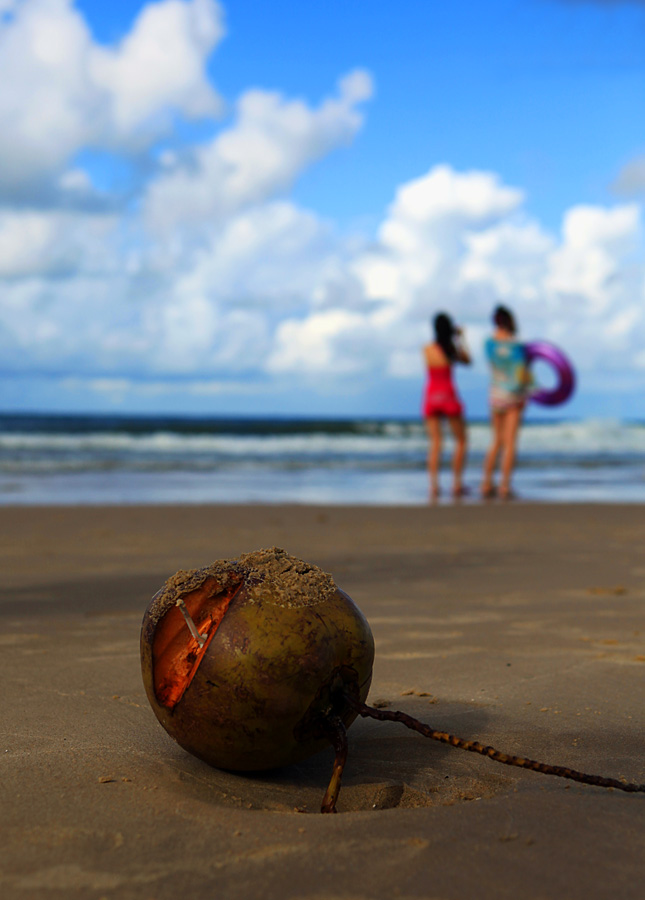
488	488
458	427
433	424
512	421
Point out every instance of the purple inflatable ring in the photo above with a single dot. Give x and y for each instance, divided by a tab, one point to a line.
566	377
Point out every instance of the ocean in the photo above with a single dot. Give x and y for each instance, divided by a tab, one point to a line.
81	460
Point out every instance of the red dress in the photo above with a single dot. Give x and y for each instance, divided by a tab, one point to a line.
440	397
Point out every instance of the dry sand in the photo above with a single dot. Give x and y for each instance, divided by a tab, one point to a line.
520	626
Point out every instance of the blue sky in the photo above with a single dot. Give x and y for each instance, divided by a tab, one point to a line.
238	207
528	89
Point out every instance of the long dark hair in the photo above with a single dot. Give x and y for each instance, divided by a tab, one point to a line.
504	319
444	331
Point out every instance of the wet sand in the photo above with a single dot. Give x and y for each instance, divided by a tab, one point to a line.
519	626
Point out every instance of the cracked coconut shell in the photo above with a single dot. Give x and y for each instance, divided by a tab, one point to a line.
245	660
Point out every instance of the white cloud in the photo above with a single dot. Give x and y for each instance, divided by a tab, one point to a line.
444	195
426	232
590	262
160	64
271	142
506	259
271	257
273	291
97	293
413	267
459	241
52	243
67	92
213	273
319	344
117	388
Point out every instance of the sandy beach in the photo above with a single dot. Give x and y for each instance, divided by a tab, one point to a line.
521	626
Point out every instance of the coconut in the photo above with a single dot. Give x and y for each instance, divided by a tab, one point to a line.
246	662
260	661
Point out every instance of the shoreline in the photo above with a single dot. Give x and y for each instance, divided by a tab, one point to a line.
377	463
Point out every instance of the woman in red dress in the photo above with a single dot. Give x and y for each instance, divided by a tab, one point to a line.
441	400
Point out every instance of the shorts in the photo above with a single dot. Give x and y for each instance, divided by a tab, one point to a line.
443	406
501	400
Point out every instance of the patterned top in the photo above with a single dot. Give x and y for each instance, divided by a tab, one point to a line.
509	370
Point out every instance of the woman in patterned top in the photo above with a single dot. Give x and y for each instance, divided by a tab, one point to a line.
510	382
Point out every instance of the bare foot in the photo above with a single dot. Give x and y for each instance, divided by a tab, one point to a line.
488	491
506	493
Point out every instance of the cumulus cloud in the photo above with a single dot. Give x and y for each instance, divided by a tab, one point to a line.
590	262
273	139
52	244
271	258
276	292
69	93
424	232
507	258
461	242
101	292
160	65
327	342
213	273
